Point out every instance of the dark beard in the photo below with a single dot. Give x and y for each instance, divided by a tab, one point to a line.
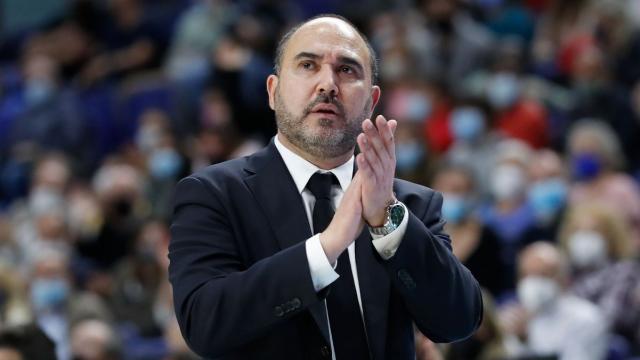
327	144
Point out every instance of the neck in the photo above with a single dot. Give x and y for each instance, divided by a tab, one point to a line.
322	163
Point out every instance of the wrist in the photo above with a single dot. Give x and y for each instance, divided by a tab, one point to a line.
394	215
330	250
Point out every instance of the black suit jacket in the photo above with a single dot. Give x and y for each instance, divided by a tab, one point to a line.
241	281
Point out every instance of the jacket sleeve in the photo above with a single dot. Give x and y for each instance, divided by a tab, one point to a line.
220	303
441	294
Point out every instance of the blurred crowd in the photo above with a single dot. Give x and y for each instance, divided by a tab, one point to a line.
525	114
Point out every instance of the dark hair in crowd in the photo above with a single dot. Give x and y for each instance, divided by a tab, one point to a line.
282	44
29	341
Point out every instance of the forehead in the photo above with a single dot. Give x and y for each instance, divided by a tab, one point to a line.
327	37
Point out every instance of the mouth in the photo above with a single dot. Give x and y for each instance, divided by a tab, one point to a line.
325	109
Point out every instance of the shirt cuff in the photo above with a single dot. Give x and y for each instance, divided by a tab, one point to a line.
386	245
322	273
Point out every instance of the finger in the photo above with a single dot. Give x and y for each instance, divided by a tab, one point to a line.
375	139
386	132
393	124
370	156
384	129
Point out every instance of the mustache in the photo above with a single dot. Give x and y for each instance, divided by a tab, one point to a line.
324	99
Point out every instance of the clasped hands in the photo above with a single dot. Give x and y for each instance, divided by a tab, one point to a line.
370	191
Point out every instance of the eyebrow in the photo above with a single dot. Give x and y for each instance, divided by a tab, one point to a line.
343	59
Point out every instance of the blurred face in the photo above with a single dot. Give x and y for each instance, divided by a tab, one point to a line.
9	354
440	9
52	173
546	165
536	263
452	182
539	283
324	90
585	142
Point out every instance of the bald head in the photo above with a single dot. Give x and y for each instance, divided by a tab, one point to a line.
328	21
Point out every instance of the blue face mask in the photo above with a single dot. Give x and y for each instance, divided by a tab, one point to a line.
503	90
37	92
467	123
48	293
408	156
548	196
164	164
418	107
586	166
454	208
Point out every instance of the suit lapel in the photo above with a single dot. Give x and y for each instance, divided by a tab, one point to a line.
277	195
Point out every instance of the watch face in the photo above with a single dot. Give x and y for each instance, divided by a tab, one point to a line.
396	214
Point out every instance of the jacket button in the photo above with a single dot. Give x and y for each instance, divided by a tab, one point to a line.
325	351
277	311
406	279
296	303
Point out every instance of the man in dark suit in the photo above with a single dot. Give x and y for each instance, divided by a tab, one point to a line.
261	267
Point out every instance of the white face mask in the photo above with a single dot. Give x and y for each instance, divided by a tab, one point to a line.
587	249
508	182
537	292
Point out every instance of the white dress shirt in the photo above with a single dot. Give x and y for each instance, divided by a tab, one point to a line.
322	272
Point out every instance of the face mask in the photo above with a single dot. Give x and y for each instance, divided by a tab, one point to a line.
147	139
43	200
507	182
409	105
454	208
408	156
587	249
503	90
418	107
586	166
48	293
537	292
546	197
37	92
467	123
164	164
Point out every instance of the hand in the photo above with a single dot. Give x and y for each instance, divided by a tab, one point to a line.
377	163
513	320
347	222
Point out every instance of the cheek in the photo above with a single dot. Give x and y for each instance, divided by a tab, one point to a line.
357	99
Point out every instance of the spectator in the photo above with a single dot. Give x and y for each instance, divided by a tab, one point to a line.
93	339
476	245
551	322
594	238
508	214
596	163
26	342
457	45
547	195
474	142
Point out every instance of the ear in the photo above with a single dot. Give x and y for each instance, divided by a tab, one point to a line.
375	96
272	84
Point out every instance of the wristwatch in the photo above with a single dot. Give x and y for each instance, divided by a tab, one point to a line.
395	214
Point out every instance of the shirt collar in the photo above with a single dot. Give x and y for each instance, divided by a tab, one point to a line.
301	170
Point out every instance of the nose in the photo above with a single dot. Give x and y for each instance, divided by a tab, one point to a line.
327	81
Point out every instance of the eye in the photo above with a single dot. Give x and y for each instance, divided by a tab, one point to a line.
307	65
346	69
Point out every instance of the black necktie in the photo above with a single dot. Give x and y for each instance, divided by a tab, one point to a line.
347	328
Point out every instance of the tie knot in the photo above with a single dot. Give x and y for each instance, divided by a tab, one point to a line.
320	185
